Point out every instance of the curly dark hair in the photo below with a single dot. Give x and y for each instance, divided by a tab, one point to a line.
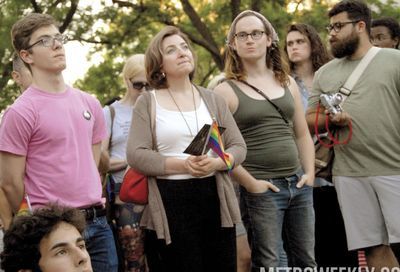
319	54
357	11
21	241
392	25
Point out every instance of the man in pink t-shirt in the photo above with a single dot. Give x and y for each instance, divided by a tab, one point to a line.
50	138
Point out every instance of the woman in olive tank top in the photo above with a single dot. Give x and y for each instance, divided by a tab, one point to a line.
277	176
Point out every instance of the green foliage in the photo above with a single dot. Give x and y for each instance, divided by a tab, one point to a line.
121	28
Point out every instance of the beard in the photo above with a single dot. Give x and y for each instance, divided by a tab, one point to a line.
345	47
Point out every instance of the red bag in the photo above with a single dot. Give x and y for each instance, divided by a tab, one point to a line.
134	188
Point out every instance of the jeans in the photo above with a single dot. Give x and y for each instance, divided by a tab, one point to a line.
100	245
288	213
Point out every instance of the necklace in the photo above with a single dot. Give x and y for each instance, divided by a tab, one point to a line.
179	109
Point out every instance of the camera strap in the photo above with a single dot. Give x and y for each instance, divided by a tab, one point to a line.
347	87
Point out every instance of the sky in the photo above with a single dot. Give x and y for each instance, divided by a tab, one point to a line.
77	63
76	52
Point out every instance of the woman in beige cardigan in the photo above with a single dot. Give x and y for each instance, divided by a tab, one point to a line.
192	206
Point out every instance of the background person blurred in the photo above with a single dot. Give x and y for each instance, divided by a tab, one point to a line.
126	215
305	53
21	74
192	205
385	33
276	194
49	240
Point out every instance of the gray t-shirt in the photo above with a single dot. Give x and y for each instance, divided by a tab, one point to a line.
374	106
121	125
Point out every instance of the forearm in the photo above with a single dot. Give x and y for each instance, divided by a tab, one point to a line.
117	164
12	170
175	166
242	176
310	118
14	193
306	153
5	210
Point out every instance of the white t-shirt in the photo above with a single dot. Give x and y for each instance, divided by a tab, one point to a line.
120	131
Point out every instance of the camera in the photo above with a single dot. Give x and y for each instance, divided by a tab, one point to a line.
331	102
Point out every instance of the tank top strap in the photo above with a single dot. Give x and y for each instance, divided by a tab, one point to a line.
239	93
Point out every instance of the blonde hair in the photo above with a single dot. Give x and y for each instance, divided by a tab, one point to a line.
134	65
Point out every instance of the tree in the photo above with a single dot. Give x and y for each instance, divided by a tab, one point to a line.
124	27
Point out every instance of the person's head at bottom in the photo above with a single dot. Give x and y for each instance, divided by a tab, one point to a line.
49	240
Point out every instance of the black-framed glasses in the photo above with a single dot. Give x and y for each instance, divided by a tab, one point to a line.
138	85
339	25
255	35
49	41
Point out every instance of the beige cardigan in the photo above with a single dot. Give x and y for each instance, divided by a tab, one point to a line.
141	157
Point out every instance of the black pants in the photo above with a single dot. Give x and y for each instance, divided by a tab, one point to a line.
199	244
330	236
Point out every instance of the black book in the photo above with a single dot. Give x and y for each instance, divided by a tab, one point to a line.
199	144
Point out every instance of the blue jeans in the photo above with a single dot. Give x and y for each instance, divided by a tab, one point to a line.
100	245
288	213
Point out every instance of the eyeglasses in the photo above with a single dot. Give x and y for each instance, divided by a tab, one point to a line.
339	25
255	35
139	85
49	41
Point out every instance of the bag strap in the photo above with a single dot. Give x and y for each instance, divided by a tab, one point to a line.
267	98
346	90
153	120
347	87
112	114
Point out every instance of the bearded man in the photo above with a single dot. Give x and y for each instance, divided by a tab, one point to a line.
366	171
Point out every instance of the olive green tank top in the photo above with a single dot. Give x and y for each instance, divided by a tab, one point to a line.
271	149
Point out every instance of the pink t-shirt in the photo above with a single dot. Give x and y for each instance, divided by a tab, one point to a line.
56	133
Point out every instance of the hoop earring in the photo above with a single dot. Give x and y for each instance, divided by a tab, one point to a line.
163	75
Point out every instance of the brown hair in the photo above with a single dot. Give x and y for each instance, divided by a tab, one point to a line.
154	57
319	54
233	64
22	30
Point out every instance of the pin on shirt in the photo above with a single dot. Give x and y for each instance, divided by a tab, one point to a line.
87	115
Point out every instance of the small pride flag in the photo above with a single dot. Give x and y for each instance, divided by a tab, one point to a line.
25	206
215	143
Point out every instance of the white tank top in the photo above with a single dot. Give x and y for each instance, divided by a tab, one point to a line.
173	135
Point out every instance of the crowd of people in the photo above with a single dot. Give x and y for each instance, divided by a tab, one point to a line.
258	207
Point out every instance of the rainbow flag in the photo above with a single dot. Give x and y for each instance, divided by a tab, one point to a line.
25	206
215	143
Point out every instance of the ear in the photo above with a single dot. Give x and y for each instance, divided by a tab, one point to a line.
16	76
25	56
396	42
269	41
362	27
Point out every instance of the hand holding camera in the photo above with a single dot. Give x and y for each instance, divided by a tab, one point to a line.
332	104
